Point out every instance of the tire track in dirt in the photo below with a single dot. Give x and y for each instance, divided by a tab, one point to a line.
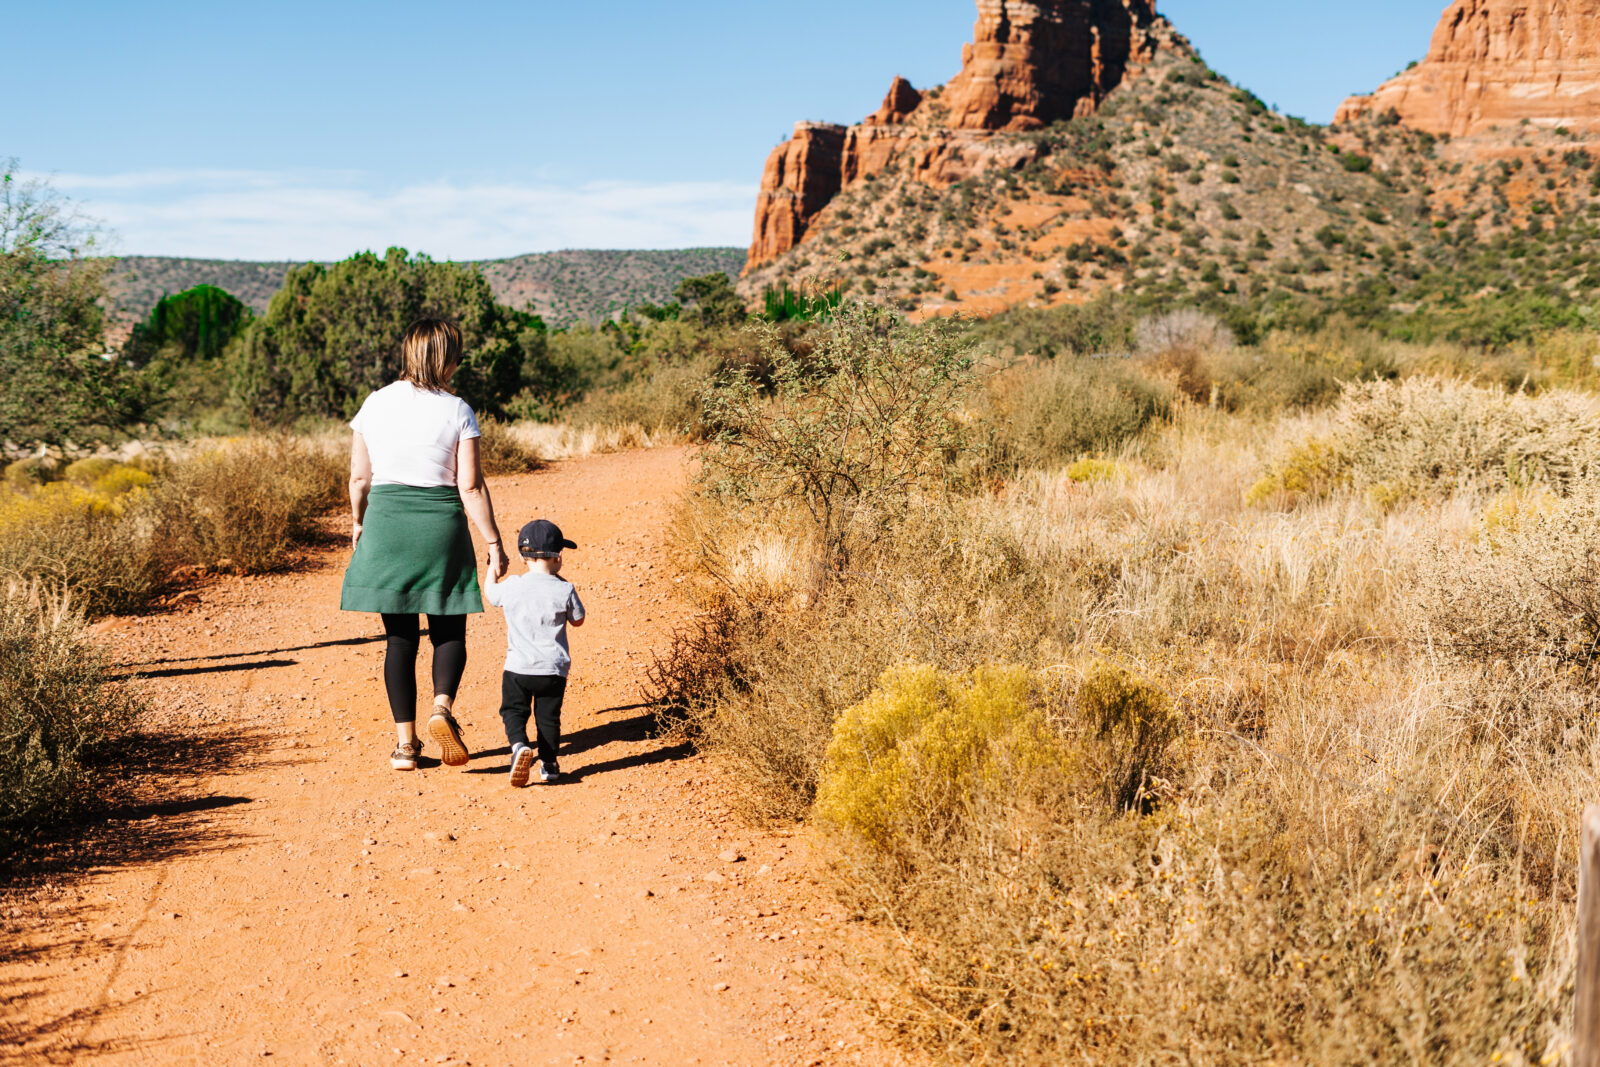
334	911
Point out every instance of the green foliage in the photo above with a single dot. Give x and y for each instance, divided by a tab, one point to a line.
783	304
711	298
59	711
196	324
58	389
332	335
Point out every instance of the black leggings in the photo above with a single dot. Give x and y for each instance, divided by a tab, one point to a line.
449	636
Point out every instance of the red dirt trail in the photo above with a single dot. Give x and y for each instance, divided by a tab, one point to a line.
297	902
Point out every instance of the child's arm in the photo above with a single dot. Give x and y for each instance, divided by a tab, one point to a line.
575	612
494	592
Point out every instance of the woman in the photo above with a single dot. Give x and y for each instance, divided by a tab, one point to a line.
414	481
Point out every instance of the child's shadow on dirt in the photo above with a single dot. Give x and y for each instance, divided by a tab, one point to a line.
634	730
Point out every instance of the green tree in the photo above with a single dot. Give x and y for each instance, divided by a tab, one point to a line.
178	351
711	296
332	334
195	324
58	388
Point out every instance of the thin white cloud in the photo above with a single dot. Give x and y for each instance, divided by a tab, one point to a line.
285	216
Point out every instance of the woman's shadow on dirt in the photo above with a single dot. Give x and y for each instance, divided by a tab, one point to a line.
151	816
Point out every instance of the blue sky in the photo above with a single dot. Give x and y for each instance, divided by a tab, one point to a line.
480	129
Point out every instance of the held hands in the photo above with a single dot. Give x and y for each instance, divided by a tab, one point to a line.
355	535
498	563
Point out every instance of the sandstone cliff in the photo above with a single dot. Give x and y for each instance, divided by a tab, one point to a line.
1496	63
1031	64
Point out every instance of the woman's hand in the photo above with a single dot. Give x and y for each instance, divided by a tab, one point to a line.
498	562
355	535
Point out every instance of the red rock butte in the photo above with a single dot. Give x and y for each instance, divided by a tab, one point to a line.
1498	63
1032	63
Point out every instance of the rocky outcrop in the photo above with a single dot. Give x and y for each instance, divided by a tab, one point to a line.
897	106
1033	62
802	175
1496	63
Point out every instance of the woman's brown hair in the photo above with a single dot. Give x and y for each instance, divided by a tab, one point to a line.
430	353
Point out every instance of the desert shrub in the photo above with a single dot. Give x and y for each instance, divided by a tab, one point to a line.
97	542
904	762
32	472
1308	471
1125	725
500	451
1529	589
1183	328
246	504
662	397
1432	434
1050	415
1091	469
1424	437
86	472
58	711
851	431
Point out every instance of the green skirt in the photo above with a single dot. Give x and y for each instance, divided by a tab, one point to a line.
415	555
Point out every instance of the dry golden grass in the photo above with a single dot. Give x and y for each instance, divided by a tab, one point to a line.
558	441
1361	845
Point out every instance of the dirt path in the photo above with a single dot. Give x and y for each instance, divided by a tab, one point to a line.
303	903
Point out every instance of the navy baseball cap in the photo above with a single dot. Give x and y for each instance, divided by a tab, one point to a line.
541	537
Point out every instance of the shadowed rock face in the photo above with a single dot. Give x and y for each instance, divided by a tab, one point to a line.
1498	62
1033	62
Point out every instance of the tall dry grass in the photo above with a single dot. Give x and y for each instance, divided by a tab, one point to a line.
59	712
118	537
1359	845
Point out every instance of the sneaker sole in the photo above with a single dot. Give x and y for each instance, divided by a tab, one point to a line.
402	765
522	768
449	739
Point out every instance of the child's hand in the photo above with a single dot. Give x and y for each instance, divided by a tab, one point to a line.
498	563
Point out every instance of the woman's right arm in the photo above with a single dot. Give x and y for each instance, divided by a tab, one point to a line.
360	485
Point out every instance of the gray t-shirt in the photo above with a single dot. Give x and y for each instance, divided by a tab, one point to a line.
538	608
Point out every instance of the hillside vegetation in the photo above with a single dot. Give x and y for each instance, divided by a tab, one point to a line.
563	288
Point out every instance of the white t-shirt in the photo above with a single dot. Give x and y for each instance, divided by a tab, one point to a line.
412	434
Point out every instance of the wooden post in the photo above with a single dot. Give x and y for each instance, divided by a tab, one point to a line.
1586	1003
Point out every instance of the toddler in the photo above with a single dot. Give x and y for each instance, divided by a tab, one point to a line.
538	606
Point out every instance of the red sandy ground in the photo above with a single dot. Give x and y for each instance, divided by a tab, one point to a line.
307	905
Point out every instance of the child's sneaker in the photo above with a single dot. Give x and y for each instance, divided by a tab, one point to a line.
443	729
549	772
404	757
522	758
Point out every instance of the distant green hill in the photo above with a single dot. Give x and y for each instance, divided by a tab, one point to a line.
564	287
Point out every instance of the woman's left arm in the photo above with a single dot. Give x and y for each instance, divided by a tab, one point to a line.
360	485
480	509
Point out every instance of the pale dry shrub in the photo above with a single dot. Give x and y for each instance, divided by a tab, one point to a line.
1529	590
246	504
503	451
1188	328
1426	437
59	712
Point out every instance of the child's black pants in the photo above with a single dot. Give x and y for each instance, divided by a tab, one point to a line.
539	695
